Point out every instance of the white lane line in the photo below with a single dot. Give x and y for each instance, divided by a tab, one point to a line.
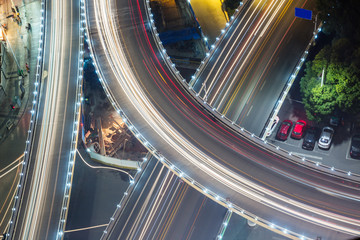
307	155
249	110
8	166
86	228
10	170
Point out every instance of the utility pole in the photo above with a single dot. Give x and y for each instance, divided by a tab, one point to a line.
322	77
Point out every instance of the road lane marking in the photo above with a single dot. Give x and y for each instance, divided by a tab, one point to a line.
249	110
308	155
86	228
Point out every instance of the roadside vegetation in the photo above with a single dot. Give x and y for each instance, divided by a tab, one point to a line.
339	62
231	5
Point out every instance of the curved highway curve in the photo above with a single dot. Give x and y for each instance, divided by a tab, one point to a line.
242	170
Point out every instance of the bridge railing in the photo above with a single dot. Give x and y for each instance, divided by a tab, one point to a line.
317	166
76	124
208	192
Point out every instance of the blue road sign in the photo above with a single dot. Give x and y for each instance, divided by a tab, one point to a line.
303	13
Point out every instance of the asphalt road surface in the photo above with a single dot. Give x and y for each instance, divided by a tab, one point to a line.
162	206
40	204
246	74
244	170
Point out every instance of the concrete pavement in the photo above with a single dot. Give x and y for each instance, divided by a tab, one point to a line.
25	47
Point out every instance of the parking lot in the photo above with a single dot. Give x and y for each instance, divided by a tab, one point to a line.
338	154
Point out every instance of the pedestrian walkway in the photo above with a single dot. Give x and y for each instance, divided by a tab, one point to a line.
19	50
14	123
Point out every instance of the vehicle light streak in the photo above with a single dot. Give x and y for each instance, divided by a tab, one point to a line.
242	34
253	48
126	79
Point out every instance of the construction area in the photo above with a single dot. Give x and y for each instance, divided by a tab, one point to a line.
104	134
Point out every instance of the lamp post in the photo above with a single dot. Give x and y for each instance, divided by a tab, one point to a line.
322	77
124	147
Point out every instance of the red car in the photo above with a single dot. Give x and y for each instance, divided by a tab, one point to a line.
284	130
299	129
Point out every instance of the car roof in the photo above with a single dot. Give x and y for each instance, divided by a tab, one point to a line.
285	125
299	125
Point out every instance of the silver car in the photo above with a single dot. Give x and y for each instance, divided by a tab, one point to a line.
326	137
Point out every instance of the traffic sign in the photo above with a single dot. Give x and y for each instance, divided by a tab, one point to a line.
303	13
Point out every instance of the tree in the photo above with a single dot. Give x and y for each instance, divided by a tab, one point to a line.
231	5
341	89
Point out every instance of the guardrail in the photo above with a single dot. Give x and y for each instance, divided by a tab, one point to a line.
317	166
214	196
214	46
127	192
289	83
76	124
224	225
34	113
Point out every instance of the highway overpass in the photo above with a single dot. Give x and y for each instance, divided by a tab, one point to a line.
243	171
41	204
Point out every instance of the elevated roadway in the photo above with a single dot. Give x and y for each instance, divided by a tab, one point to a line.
38	214
244	77
268	183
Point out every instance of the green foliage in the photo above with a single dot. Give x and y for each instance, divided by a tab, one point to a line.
341	89
340	60
231	5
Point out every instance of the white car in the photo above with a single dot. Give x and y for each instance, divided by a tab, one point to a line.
326	137
273	125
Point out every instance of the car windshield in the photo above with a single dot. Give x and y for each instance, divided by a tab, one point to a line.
324	140
327	130
310	137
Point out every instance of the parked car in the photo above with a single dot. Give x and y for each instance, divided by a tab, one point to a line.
309	139
273	125
299	129
284	130
355	146
326	137
336	119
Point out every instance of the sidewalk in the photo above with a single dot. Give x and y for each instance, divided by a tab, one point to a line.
25	47
13	97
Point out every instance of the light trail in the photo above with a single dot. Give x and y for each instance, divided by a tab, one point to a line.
259	51
254	47
242	34
126	79
242	52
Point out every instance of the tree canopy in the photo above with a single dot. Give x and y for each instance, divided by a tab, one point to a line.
231	5
341	87
339	60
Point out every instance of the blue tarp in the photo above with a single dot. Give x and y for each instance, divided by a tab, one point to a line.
303	13
181	35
